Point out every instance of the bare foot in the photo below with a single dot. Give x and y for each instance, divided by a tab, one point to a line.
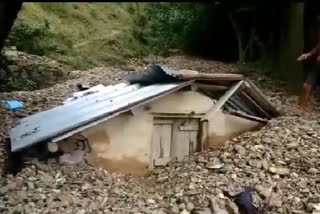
304	114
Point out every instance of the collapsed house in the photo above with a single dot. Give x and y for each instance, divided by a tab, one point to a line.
160	115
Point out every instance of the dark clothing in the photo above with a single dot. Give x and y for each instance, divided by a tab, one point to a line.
312	77
315	53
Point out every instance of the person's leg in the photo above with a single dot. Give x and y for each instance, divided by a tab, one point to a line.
305	100
308	89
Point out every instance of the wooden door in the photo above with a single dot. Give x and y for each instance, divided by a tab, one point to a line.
185	135
162	142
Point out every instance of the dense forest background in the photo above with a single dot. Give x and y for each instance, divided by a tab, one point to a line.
257	35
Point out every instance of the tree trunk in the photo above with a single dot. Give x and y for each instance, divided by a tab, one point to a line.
291	46
237	32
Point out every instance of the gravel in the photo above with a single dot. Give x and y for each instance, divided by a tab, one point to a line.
281	162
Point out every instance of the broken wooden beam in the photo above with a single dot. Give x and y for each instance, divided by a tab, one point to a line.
257	95
223	100
255	105
211	87
185	74
247	116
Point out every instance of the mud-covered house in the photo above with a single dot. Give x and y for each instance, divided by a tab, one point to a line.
157	116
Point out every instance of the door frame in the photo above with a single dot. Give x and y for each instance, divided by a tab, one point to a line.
170	119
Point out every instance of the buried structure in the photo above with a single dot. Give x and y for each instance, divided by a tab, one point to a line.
159	116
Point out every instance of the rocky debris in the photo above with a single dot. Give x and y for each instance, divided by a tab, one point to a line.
196	185
21	71
72	158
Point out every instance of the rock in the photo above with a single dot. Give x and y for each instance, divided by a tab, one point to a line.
267	140
13	68
184	212
182	206
264	191
293	145
11	186
313	171
231	207
279	170
151	201
265	164
72	158
190	206
30	185
202	211
175	209
81	211
240	149
275	200
214	207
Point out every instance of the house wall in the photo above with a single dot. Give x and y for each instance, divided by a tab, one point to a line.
123	144
223	127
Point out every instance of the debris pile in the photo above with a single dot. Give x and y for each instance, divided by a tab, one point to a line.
280	163
21	71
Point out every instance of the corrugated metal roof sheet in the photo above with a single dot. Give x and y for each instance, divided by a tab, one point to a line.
84	111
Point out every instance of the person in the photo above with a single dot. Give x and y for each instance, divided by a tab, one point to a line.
312	77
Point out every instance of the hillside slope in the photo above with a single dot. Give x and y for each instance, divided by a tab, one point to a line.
81	34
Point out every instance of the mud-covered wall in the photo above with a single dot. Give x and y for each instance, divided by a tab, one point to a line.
123	144
223	127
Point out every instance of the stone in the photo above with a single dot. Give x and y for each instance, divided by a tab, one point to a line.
275	200
182	206
313	171
267	140
30	185
279	170
75	157
13	68
175	208
240	149
184	212
190	206
81	211
293	145
202	211
231	207
12	186
151	201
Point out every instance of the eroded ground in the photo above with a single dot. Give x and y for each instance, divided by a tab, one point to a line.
288	142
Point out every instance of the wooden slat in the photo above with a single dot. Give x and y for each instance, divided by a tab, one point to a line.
247	116
256	106
162	121
211	87
166	139
223	100
257	95
185	74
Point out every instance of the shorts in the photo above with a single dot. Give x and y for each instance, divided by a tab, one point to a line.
312	77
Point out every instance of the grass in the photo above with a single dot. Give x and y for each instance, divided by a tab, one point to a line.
88	34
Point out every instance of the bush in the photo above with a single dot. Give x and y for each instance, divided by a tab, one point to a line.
32	39
172	25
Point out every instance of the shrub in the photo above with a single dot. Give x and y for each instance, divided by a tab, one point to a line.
32	39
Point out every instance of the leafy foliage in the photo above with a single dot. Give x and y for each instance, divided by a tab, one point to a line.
34	39
171	24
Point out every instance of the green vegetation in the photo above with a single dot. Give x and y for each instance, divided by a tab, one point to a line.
81	34
89	34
